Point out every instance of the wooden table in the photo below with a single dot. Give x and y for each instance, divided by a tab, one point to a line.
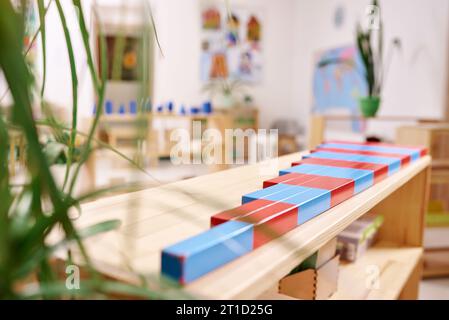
122	130
155	218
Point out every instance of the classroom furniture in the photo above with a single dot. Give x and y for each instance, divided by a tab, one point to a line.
435	136
331	174
155	218
122	130
319	122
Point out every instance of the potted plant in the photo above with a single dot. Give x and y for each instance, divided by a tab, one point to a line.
370	47
223	92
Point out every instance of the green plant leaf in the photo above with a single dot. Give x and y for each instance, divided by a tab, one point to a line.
100	96
74	90
101	227
54	151
41	8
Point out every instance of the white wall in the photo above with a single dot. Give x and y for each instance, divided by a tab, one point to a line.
417	82
293	31
177	75
178	72
59	83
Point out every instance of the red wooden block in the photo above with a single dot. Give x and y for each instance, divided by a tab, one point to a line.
341	189
239	211
281	179
270	219
380	170
405	159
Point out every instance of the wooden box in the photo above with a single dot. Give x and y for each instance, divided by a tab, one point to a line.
316	277
312	284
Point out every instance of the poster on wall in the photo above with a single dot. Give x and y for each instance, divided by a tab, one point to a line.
231	43
338	81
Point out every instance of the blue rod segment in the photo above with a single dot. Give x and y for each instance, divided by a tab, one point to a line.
278	191
310	203
190	259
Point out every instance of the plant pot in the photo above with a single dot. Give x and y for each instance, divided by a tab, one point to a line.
369	106
224	101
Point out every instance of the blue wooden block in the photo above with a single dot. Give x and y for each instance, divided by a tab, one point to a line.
363	178
415	154
310	203
306	169
394	164
198	255
281	190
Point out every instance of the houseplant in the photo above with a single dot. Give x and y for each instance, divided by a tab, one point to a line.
224	93
370	48
37	207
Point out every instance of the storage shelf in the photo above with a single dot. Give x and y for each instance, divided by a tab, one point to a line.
258	271
393	265
183	209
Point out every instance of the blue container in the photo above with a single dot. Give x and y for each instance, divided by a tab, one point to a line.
109	108
194	110
182	110
121	110
170	106
207	107
133	107
160	108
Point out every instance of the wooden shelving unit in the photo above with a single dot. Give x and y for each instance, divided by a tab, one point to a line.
435	136
165	215
382	273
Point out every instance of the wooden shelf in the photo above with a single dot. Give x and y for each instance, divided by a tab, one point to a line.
167	214
394	265
260	270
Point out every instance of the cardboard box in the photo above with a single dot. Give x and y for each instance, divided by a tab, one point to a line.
312	284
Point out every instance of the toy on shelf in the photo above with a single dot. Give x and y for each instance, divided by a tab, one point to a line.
320	181
358	237
108	108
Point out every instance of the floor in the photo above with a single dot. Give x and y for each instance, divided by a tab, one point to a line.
434	289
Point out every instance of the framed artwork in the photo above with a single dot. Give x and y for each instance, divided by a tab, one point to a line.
231	43
126	48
